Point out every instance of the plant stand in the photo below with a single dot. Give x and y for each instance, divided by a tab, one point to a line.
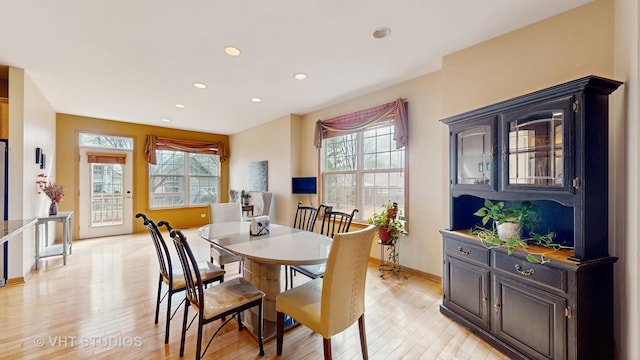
385	265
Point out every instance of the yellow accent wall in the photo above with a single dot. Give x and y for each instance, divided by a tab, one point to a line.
69	126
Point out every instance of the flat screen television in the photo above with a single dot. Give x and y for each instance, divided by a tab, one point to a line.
304	185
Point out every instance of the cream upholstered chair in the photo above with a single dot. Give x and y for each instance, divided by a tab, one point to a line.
261	202
331	304
333	222
224	212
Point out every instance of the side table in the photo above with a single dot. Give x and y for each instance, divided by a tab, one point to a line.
247	209
64	217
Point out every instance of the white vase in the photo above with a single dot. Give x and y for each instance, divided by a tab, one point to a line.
509	230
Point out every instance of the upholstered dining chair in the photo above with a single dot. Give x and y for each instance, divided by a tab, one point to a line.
225	212
216	302
174	278
333	222
331	304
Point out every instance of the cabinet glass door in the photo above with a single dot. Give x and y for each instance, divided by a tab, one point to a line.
474	155
534	146
535	150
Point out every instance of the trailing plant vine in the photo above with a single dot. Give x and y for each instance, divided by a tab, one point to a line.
527	215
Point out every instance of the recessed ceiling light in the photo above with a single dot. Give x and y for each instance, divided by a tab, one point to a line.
381	32
180	106
232	51
300	76
166	120
256	100
200	85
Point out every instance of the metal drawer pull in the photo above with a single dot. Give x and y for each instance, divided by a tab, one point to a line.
464	251
524	272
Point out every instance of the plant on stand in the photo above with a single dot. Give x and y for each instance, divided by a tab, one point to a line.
245	195
54	191
391	226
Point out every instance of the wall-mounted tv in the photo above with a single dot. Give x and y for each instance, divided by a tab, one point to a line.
304	185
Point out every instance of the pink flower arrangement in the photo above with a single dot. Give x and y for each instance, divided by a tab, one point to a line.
54	191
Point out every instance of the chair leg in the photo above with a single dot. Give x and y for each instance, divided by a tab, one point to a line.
286	277
279	332
363	338
199	339
260	325
327	348
158	300
184	327
167	325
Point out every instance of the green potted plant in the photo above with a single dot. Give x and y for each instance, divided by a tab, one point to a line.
507	224
391	226
509	221
245	195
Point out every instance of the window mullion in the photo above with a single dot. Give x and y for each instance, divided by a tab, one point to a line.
359	169
187	179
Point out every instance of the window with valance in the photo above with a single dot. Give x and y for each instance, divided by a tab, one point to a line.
183	172
363	158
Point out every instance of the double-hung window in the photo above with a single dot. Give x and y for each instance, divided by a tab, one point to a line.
182	179
363	170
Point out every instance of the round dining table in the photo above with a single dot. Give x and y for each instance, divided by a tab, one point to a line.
264	256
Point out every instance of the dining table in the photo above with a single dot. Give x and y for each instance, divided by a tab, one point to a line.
264	257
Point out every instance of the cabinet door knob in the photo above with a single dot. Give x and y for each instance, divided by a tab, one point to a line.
464	251
527	272
497	306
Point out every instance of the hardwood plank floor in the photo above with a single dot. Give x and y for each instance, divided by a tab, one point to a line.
101	305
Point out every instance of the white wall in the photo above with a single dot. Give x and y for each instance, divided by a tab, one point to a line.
427	154
625	178
31	125
270	142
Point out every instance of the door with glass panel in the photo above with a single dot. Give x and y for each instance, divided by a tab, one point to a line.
106	198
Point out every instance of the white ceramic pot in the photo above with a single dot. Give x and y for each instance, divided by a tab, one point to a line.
509	230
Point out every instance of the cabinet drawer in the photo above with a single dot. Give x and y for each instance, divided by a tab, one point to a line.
520	268
465	250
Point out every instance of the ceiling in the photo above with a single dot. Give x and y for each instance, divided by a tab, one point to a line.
136	60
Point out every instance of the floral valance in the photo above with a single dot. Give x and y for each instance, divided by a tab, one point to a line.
192	146
359	120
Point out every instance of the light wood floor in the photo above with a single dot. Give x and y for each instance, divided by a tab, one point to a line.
101	305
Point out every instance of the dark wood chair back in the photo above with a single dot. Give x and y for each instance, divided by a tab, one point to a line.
334	222
306	217
192	277
162	251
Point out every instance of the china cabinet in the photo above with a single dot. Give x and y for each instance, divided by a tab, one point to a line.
550	148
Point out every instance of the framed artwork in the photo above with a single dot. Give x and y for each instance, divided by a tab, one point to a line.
257	176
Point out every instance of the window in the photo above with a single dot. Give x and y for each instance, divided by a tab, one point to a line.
181	179
363	170
105	141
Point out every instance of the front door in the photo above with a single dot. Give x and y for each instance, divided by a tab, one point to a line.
106	199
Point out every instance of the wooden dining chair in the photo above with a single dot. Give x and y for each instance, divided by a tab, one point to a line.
331	304
225	212
305	219
173	278
216	302
333	222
